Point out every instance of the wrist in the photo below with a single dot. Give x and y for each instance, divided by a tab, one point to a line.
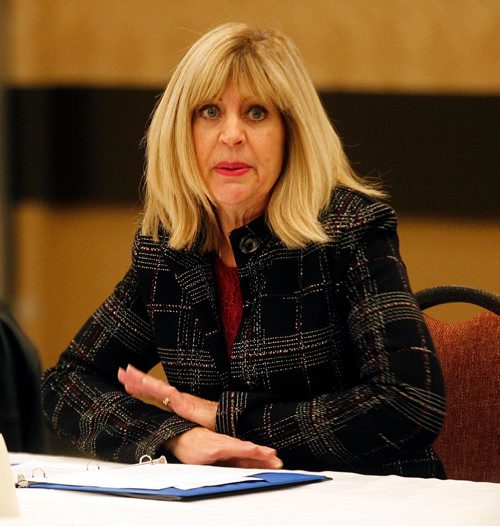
211	415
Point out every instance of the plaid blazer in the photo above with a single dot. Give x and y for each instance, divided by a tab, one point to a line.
333	364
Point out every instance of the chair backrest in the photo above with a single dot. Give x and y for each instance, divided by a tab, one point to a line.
20	407
469	351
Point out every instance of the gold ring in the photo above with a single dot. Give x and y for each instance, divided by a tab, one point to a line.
166	401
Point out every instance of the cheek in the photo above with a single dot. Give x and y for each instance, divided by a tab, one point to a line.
274	144
200	144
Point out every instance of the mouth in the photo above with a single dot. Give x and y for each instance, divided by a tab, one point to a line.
232	169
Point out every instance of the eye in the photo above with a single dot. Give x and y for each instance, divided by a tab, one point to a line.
209	111
257	113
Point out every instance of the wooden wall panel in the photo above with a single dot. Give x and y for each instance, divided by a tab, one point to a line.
384	45
451	251
68	261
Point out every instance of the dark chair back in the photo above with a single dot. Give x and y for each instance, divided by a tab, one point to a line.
20	407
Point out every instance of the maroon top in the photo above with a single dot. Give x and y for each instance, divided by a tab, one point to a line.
230	301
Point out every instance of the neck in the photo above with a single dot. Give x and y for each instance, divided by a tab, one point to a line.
232	218
229	220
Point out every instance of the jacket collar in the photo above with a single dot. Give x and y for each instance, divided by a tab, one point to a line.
194	273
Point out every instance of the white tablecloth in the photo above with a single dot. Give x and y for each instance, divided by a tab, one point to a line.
348	499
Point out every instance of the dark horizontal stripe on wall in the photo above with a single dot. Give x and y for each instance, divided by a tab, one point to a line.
71	145
436	154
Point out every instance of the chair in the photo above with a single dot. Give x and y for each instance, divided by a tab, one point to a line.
469	351
20	407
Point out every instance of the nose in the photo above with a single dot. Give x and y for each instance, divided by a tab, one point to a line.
232	130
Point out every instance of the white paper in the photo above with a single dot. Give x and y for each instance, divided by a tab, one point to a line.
151	476
41	470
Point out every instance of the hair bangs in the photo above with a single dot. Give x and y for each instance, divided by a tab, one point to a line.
243	70
208	84
249	75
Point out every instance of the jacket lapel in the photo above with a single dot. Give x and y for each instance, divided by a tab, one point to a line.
194	274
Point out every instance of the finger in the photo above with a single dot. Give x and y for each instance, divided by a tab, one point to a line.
134	375
250	455
185	405
144	383
234	448
252	463
201	446
242	461
140	384
252	450
131	378
159	390
128	381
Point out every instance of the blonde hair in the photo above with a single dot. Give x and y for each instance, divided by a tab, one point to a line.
268	63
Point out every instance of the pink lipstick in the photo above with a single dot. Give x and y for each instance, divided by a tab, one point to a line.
232	169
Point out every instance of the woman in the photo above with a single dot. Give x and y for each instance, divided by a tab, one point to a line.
266	280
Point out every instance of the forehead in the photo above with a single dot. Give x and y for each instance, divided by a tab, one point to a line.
242	94
242	83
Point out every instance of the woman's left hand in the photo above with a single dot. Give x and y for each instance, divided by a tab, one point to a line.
187	406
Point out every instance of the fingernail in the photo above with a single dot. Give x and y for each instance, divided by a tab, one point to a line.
277	463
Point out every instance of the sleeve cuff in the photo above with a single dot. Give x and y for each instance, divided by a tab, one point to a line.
231	406
154	445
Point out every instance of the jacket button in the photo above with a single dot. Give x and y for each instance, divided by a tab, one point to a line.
249	244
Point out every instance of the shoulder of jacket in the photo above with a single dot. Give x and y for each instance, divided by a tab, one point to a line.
148	253
350	209
145	249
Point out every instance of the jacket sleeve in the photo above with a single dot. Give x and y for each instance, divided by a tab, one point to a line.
397	408
81	396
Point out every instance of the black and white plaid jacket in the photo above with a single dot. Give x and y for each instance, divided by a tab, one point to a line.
333	364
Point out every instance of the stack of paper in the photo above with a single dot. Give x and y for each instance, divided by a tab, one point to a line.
158	480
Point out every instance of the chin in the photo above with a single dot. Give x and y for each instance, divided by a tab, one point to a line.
232	198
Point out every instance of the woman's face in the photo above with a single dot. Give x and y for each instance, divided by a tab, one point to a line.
239	143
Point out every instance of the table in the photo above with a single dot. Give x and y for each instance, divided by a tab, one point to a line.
348	499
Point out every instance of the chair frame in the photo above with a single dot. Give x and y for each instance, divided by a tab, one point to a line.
433	296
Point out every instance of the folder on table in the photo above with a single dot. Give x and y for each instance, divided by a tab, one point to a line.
162	481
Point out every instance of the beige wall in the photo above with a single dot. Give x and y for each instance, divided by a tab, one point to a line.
68	259
451	251
438	45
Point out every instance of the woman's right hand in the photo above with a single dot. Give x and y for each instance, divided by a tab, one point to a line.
202	446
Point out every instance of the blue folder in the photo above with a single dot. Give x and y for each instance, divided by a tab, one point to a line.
270	481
